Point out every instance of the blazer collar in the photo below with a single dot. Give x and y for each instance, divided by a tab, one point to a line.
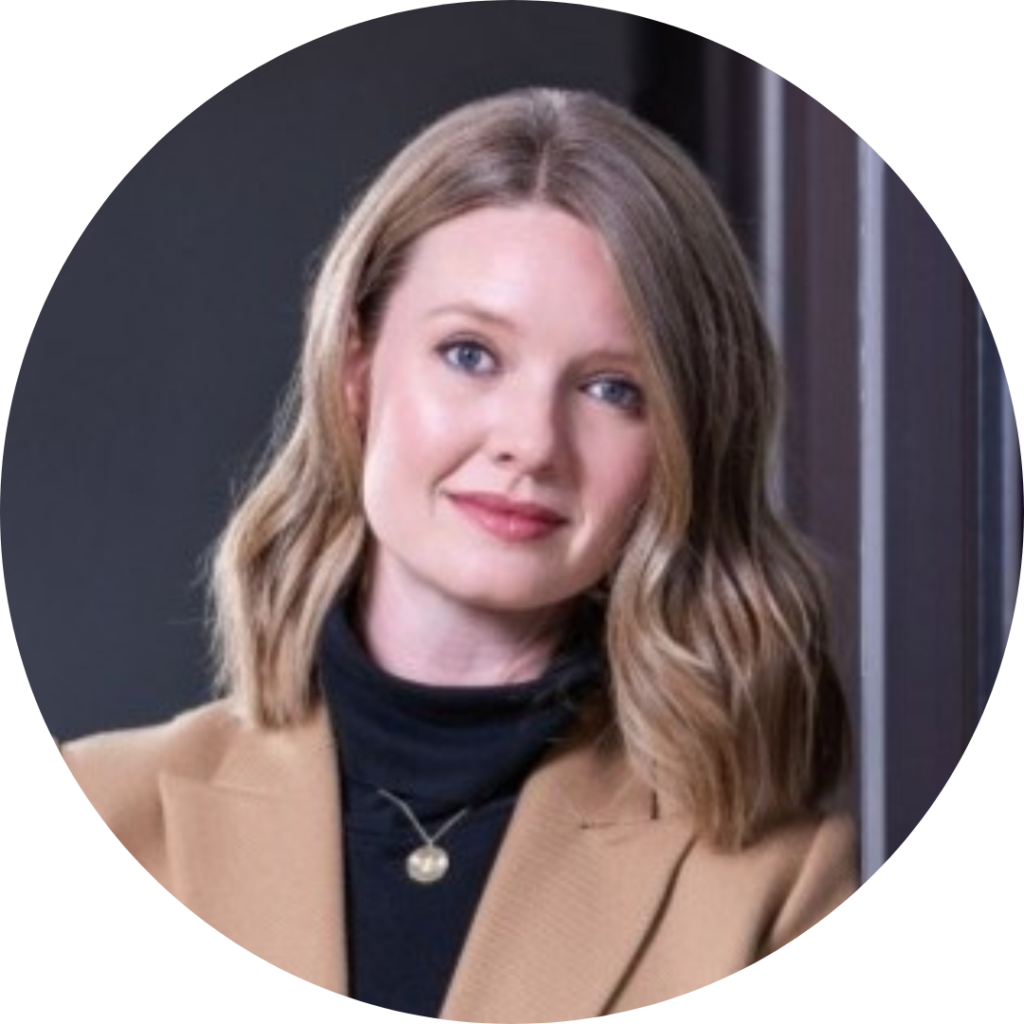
256	852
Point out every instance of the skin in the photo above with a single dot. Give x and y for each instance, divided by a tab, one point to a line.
505	369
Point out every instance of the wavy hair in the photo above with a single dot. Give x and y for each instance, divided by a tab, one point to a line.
722	691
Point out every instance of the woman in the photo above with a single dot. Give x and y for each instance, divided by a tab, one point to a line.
528	712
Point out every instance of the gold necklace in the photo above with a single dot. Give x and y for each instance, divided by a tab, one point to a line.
428	863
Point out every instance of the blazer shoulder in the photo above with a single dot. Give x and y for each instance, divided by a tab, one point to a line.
829	873
120	771
765	894
816	867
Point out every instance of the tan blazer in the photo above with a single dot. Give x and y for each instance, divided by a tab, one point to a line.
600	900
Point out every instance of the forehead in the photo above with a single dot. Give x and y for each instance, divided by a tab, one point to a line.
520	265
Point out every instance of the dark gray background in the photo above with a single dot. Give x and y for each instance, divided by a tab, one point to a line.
151	378
154	369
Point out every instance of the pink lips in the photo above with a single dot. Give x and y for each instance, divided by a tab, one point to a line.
507	519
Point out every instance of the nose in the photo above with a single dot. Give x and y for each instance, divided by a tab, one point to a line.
528	431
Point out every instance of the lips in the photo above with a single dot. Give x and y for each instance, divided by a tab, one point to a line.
507	519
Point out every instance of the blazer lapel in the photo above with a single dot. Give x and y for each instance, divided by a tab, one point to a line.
256	851
584	869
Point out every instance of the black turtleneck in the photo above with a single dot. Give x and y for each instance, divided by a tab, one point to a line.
440	749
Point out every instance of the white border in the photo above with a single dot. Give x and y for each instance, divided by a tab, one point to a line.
88	88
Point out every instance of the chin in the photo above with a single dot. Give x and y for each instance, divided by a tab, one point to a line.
495	595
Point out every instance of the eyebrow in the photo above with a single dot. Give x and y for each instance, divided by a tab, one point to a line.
475	311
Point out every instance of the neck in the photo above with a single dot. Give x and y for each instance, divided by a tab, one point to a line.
420	635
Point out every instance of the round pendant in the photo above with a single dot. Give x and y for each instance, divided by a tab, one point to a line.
427	864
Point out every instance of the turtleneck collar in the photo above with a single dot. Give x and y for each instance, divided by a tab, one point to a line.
446	746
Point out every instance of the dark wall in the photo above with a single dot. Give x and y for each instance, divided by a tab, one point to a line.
151	378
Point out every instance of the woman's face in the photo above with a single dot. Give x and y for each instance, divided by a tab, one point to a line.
507	442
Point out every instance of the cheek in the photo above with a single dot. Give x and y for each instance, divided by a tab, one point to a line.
412	433
392	404
619	488
627	470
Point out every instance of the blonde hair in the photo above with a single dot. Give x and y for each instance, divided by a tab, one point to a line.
722	691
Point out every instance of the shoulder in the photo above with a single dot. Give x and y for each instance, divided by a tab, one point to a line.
789	879
193	741
120	771
823	869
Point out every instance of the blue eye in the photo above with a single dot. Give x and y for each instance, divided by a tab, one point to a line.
617	392
468	357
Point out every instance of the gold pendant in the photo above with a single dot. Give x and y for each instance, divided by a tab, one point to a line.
427	864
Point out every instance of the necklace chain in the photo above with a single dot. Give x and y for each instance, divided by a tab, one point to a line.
427	863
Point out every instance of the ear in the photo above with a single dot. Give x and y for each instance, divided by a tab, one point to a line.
356	379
